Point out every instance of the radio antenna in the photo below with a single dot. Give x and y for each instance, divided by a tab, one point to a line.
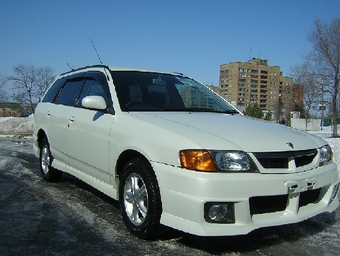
96	52
69	66
107	76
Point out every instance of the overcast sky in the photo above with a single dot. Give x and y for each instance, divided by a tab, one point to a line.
193	37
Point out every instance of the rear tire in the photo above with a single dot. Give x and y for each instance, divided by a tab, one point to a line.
140	199
45	158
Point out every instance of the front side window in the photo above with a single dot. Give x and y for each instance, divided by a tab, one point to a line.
69	93
147	91
92	88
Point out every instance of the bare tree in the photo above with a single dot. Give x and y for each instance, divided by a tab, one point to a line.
311	98
46	77
3	94
287	102
30	83
324	62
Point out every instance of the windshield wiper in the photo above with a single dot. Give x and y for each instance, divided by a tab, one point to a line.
197	109
231	111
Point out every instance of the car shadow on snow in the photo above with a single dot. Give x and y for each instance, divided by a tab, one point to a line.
259	239
75	182
73	187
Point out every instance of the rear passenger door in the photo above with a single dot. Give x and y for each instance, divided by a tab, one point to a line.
89	130
56	110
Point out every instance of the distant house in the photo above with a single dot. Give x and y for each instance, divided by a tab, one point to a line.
10	109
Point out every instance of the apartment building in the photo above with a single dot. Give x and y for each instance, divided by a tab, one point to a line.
246	83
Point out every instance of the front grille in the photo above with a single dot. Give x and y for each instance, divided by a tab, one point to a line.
270	163
268	204
309	197
280	160
303	160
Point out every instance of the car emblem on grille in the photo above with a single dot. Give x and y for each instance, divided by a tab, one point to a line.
290	144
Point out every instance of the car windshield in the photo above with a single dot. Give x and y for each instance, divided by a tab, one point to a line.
148	91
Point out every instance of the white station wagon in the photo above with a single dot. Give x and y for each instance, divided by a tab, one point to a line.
176	154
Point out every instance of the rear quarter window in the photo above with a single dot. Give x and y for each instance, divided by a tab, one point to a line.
53	90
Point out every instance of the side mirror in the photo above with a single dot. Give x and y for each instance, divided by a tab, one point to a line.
94	102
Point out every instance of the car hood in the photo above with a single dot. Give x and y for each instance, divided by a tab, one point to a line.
224	131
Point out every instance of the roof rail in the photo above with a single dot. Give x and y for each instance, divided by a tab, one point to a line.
91	66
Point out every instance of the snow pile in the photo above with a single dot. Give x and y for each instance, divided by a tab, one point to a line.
16	125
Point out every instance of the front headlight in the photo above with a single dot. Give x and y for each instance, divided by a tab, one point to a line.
213	161
326	155
232	161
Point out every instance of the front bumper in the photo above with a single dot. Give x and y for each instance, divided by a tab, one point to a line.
259	200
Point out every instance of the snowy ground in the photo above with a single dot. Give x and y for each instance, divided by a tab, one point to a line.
70	218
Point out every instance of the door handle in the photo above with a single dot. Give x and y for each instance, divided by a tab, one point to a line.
72	119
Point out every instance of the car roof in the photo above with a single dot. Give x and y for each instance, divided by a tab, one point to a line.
113	68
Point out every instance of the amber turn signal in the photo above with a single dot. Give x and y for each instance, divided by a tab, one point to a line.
198	160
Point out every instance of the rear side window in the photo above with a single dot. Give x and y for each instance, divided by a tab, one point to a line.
53	91
69	93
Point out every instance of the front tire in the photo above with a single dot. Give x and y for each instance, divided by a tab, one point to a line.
45	158
140	200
